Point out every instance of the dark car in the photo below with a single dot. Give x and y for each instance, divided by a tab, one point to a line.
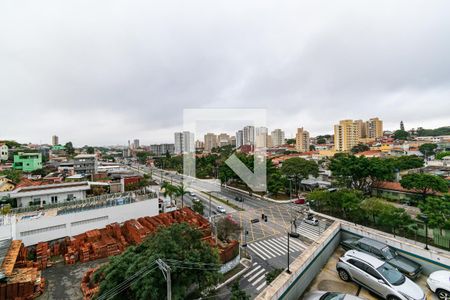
382	251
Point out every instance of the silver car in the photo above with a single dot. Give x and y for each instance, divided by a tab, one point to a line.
321	295
377	276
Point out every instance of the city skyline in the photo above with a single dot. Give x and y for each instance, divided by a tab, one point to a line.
105	78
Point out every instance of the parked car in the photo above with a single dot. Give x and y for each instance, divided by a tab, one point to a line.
377	276
439	283
382	251
322	295
311	220
299	201
221	210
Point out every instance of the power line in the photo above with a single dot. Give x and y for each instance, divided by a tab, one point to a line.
125	282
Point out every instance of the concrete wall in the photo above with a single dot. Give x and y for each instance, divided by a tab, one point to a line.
62	197
46	228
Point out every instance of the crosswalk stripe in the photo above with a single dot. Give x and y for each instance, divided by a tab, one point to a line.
264	249
298	243
261	286
280	244
292	247
252	271
263	256
293	242
256	275
276	246
267	245
263	276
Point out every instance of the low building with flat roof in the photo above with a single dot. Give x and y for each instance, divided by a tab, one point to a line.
27	162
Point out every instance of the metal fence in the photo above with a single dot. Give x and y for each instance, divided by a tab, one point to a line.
100	201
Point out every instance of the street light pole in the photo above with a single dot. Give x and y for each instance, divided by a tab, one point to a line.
288	262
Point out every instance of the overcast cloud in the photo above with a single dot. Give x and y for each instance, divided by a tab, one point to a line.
102	72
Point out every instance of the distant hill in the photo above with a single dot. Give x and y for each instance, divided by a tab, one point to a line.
434	132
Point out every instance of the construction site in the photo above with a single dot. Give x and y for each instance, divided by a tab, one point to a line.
21	278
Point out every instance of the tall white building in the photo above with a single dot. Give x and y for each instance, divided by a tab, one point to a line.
239	138
249	135
261	137
278	137
184	142
210	142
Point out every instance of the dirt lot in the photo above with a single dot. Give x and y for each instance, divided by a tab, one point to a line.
63	281
328	280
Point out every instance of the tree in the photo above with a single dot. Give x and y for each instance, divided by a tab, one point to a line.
424	183
237	293
427	149
299	169
14	175
90	150
169	189
321	140
401	135
181	191
198	207
312	148
442	154
270	276
406	162
69	148
360	148
227	229
276	183
373	206
438	211
290	141
360	173
142	157
393	218
194	266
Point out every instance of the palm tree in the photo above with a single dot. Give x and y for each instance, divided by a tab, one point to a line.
181	191
169	190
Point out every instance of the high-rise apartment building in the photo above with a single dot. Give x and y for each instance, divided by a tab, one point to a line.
162	149
261	137
374	128
302	140
249	135
362	127
239	138
346	135
136	144
55	140
184	142
223	139
278	138
210	142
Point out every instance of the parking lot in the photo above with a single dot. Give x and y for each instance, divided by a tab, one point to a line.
328	280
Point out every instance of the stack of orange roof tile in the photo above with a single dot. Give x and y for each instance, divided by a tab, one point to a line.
42	254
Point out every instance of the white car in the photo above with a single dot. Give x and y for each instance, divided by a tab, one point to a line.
311	220
221	210
439	283
322	295
377	276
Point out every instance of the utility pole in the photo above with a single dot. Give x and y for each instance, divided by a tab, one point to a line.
288	263
210	205
165	269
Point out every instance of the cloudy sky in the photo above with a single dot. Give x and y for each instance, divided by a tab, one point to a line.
102	72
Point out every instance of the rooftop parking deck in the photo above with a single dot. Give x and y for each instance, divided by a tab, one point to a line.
328	280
